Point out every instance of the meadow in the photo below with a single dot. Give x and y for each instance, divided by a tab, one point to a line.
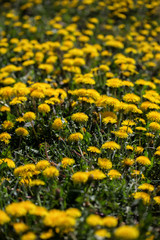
80	119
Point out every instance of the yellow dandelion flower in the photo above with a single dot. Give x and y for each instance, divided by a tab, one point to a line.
79	117
94	220
107	120
21	131
5	137
20	227
104	163
80	177
58	124
47	235
4	218
28	236
131	98
120	134
42	164
128	162
126	232
143	160
7	125
142	195
157	199
153	116
114	174
114	83
111	145
75	137
154	126
93	149
51	172
67	162
110	221
97	174
44	108
29	116
102	233
73	212
146	186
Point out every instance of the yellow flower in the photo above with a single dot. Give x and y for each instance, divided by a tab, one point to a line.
7	125
157	199
94	220
107	120
153	116
51	172
126	232
75	137
128	162
93	149
80	177
4	218
36	182
20	227
120	134
154	126
142	195
21	132
42	164
111	145
28	236
131	97
97	174
79	117
114	83
102	233
9	162
143	160
73	212
44	108
114	174
110	221
67	162
146	186
5	137
57	124
104	163
29	116
47	235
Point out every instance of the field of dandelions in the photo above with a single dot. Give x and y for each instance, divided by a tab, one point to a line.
80	120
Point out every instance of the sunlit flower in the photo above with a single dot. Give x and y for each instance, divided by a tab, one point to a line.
75	137
143	160
126	232
111	145
79	117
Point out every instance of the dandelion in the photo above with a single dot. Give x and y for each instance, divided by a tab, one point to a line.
20	227
28	236
104	163
80	177
143	160
94	220
131	97
22	132
7	125
67	162
5	137
110	221
79	117
142	195
146	186
114	174
75	137
111	145
126	232
29	116
102	233
153	116
157	199
51	172
57	124
4	218
93	149
47	235
44	108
